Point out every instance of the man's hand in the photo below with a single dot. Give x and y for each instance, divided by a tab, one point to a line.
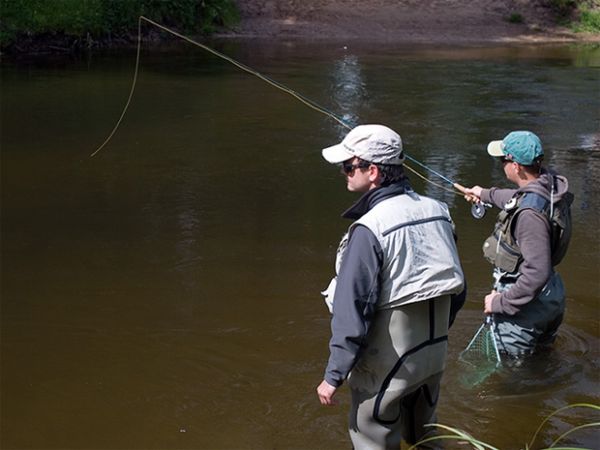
473	194
325	391
487	308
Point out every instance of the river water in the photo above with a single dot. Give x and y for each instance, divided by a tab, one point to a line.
165	293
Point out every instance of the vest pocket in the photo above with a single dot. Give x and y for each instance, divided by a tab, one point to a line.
501	254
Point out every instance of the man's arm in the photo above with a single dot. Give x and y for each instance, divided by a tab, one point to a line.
495	196
355	296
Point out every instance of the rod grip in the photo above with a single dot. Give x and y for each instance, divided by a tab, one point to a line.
460	187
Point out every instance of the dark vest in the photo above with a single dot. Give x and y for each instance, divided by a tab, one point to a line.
501	248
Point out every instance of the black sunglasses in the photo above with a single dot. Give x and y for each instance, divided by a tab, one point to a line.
348	167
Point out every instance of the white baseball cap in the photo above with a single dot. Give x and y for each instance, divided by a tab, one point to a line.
373	143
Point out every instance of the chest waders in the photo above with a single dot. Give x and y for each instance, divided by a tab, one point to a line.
395	381
433	340
395	384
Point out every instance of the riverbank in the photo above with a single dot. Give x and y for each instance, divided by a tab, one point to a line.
452	22
405	21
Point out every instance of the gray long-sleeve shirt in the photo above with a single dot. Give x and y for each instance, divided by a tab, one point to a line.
355	299
357	289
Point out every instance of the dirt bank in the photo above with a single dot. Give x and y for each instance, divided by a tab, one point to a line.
395	21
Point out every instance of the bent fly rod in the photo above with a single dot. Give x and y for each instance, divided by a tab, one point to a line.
296	95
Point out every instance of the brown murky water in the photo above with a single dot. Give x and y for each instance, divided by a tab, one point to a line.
165	294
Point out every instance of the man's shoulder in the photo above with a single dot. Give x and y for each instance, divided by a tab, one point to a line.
411	201
393	204
406	208
409	197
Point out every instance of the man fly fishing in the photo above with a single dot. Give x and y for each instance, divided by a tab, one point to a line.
397	268
530	238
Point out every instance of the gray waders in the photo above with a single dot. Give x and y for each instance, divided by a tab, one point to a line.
395	383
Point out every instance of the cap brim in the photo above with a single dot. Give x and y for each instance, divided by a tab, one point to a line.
336	154
494	148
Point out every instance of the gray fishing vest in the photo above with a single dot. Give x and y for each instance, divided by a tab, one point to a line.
407	342
420	259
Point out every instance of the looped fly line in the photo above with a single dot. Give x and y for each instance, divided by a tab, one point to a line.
300	97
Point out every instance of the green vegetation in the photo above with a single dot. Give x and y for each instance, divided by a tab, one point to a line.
107	19
515	18
589	21
580	15
465	438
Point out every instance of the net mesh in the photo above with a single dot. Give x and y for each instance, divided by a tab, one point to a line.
481	357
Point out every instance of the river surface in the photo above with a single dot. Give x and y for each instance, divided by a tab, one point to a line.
165	293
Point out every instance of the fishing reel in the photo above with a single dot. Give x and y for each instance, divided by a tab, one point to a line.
478	209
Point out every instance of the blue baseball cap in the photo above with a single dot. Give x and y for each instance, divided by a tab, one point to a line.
522	147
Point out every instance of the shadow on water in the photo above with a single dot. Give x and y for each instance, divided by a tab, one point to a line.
165	294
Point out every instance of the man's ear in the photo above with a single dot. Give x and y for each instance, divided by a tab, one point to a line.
373	173
520	170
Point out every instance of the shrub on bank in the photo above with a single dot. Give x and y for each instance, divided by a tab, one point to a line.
100	20
580	15
589	21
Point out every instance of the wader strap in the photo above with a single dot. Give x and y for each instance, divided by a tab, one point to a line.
396	368
431	319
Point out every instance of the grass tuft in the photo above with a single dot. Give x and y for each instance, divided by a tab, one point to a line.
465	438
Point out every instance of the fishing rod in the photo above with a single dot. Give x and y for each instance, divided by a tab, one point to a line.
308	102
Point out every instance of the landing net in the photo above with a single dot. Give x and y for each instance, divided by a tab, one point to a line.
481	357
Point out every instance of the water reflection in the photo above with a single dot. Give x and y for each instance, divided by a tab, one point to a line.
348	89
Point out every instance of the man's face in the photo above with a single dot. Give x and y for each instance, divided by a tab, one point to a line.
510	170
357	175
